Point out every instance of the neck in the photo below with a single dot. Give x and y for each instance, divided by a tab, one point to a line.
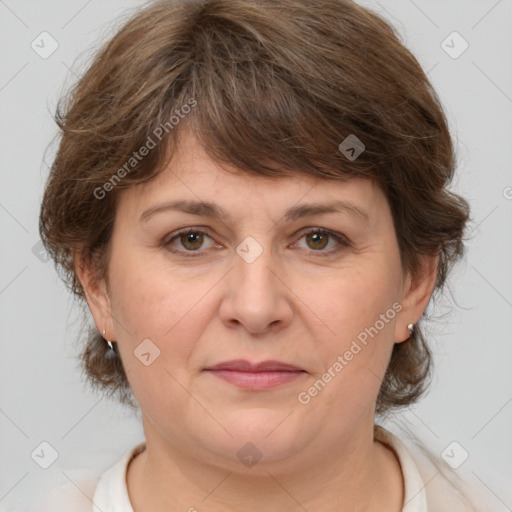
360	474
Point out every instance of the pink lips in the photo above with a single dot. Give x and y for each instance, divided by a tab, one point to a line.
256	376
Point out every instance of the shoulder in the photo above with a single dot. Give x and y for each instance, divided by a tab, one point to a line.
87	491
75	493
111	493
431	484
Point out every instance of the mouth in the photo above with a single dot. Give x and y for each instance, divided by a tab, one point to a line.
256	376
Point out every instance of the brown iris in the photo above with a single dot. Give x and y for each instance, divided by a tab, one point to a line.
319	240
194	239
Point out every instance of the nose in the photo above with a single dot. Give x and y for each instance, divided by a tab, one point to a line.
256	296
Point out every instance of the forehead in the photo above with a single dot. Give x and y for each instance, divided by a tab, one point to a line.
191	175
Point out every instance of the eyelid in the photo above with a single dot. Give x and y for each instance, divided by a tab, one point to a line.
342	240
183	231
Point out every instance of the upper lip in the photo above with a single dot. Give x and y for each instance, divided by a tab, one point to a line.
242	365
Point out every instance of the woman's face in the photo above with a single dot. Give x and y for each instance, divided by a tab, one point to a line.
253	285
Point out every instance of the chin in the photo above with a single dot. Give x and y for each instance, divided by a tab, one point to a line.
269	435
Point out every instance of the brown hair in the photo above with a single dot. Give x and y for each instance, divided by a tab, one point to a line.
272	88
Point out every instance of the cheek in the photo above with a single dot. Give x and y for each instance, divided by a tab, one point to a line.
355	302
154	318
150	299
360	310
168	308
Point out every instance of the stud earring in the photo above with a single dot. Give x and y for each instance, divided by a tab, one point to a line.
411	329
110	344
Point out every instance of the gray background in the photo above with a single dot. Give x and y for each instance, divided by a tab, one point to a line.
42	396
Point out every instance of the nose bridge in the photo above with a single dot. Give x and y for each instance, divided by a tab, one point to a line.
252	268
256	297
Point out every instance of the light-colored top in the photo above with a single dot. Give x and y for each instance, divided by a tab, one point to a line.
426	490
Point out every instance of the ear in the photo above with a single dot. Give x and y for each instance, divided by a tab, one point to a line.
96	294
417	290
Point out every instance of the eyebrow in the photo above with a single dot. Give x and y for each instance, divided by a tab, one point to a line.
212	210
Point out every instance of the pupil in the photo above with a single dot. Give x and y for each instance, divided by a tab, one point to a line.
193	239
318	238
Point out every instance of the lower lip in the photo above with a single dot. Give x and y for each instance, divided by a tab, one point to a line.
257	380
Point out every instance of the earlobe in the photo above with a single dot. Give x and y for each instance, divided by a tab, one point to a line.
96	293
417	290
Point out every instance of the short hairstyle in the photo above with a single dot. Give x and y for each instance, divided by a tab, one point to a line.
270	88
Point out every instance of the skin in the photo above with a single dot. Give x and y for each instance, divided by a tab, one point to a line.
291	304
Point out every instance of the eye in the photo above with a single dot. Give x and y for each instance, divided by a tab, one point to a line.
318	239
190	242
189	239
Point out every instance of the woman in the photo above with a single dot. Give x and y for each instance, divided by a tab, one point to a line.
252	198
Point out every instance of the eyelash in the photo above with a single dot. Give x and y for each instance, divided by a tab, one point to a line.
342	240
